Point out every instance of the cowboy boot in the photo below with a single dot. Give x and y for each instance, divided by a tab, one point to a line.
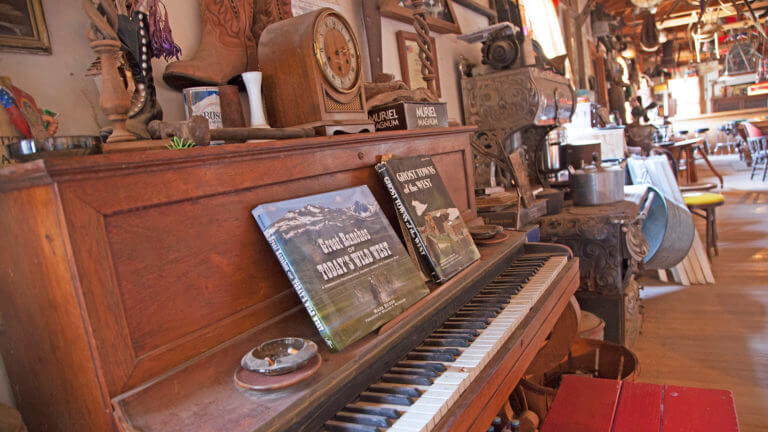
134	34
267	12
227	46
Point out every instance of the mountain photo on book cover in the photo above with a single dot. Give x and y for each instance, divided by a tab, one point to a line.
344	259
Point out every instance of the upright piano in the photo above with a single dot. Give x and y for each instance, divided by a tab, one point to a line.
133	283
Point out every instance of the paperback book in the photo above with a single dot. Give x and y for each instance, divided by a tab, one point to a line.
432	222
343	259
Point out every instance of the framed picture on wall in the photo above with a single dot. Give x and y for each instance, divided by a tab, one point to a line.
440	15
483	7
410	65
22	27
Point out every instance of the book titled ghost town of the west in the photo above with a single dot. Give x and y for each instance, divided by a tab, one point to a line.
343	259
440	239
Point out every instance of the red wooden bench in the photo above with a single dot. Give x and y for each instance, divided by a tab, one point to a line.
599	405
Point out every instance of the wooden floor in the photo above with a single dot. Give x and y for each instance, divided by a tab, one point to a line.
716	336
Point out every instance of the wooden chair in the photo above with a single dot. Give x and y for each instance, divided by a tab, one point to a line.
703	205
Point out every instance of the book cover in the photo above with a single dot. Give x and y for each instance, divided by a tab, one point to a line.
432	221
343	259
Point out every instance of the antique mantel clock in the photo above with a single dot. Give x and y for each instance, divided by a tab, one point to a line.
312	73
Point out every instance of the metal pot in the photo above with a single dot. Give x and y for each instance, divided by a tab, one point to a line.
597	184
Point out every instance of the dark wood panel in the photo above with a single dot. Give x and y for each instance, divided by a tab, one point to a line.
43	339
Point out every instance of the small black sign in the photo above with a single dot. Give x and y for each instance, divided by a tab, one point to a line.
409	115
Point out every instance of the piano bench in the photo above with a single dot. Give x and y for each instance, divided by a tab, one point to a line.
600	405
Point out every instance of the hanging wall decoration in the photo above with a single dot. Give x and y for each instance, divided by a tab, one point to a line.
441	17
22	27
483	7
410	64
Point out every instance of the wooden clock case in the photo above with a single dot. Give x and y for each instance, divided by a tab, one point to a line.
295	91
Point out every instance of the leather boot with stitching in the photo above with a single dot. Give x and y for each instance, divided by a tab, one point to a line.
227	46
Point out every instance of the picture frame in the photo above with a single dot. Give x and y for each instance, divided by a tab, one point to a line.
486	8
442	19
410	65
23	28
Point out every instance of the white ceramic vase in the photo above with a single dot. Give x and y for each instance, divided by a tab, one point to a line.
252	82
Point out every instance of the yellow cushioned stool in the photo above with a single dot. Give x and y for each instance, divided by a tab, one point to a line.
703	204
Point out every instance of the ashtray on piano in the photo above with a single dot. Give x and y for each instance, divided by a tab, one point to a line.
277	364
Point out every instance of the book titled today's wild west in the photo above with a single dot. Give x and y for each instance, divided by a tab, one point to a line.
438	234
343	259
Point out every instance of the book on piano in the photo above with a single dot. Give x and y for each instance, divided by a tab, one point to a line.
432	222
343	259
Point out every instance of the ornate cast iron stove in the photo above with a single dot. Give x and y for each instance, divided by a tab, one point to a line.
527	99
609	243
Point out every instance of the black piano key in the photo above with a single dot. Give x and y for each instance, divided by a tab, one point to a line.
437	335
363	419
483	320
487	306
414	371
528	262
480	313
340	426
435	357
513	279
396	389
510	290
366	408
407	379
467	334
421	365
491	299
454	351
470	325
446	342
387	398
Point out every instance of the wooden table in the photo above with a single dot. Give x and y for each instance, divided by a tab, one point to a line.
687	148
759	123
601	405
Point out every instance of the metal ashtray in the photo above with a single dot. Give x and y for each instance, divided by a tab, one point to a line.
279	356
484	232
60	146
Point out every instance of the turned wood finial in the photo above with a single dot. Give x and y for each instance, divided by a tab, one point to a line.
426	55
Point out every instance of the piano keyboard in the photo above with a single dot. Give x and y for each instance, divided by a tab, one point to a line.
414	394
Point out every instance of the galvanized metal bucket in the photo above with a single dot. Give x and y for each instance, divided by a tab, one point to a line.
668	228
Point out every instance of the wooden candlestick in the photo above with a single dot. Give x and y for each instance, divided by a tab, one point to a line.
426	55
114	100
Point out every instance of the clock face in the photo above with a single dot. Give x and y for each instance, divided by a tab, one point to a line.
336	52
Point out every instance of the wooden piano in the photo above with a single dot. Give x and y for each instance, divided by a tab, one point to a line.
133	283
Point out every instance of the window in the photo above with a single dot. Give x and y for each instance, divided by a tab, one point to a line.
541	19
686	91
